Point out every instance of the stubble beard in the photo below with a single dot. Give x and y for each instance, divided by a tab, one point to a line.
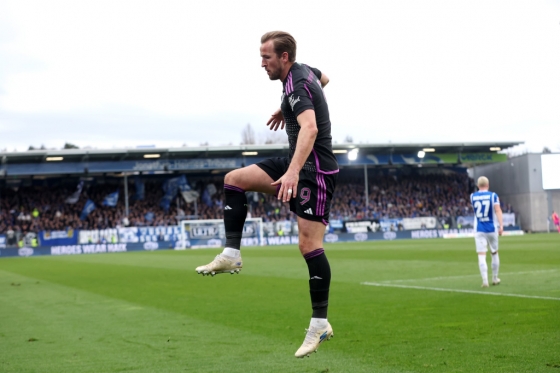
274	75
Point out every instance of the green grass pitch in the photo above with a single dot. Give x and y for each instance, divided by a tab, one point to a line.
423	311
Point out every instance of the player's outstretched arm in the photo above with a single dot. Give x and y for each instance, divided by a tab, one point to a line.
276	120
498	211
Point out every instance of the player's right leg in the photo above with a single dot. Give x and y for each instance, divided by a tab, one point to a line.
236	183
493	243
311	247
483	268
312	206
481	248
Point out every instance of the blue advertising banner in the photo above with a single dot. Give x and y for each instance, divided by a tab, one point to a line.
47	168
386	225
149	234
468	221
86	249
54	238
373	236
2	241
195	243
465	221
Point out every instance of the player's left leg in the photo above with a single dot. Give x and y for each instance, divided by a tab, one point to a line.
495	268
311	235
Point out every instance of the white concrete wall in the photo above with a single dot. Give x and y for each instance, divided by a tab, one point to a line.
519	183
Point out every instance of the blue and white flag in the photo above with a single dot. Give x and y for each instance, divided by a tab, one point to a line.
149	216
140	189
190	195
111	199
171	187
88	207
209	191
74	197
206	198
165	202
183	184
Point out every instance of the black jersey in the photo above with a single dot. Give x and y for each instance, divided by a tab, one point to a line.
303	91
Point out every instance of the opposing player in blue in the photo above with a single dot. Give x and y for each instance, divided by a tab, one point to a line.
488	225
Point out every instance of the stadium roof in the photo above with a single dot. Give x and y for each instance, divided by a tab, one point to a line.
81	155
223	158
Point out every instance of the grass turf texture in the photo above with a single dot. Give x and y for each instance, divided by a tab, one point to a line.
150	312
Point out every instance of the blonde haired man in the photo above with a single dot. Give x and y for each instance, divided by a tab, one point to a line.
488	224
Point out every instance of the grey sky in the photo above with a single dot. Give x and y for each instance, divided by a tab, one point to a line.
110	74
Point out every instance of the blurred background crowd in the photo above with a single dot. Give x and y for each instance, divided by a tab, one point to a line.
37	208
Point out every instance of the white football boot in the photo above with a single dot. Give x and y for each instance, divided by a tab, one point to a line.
496	281
484	285
221	264
314	337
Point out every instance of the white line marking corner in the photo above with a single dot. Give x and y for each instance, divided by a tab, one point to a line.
456	290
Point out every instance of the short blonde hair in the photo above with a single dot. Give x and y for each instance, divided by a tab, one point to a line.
482	182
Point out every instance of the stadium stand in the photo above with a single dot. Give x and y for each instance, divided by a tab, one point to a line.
40	200
43	208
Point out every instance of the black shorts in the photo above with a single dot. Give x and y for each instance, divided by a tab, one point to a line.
315	190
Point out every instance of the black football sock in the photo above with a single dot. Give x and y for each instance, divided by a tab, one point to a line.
235	213
319	282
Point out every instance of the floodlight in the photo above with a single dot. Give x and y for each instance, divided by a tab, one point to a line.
353	154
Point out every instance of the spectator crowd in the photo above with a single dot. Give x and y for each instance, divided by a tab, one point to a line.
36	208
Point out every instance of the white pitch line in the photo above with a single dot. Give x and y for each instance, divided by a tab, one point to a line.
456	290
464	276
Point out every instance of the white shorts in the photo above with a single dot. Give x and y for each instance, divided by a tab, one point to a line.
483	240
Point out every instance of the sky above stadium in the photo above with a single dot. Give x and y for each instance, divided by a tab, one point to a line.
114	74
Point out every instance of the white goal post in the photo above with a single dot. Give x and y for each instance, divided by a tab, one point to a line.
211	233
